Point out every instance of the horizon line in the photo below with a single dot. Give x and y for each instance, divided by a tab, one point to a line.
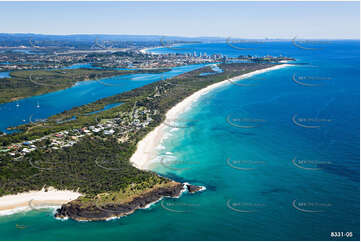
181	36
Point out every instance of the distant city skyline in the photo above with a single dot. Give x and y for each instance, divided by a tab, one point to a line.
253	20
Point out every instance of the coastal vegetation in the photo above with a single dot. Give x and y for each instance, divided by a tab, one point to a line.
28	83
91	153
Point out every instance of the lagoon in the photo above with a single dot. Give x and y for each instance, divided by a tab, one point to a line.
5	74
43	106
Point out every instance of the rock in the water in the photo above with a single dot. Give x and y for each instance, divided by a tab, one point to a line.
193	188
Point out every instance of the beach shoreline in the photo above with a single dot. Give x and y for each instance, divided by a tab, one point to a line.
146	50
146	150
142	158
45	198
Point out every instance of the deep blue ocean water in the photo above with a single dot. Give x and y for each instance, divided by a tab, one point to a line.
279	157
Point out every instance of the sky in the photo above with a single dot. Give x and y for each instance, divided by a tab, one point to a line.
329	20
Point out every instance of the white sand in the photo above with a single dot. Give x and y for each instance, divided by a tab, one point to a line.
146	151
146	148
10	204
146	50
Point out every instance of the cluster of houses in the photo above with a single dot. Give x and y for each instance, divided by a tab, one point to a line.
131	59
53	141
148	61
266	58
120	128
31	62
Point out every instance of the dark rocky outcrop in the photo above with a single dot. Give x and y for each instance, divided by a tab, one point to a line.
80	212
193	189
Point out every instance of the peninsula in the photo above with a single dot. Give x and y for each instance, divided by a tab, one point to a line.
96	155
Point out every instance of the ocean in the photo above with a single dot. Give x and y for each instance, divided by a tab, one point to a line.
278	153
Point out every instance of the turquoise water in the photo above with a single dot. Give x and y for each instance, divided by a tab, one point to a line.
269	176
4	74
78	66
215	70
41	107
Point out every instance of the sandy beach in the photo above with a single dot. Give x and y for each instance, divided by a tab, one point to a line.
10	204
146	148
146	50
145	153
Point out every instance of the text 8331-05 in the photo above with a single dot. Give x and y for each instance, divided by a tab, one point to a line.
341	234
